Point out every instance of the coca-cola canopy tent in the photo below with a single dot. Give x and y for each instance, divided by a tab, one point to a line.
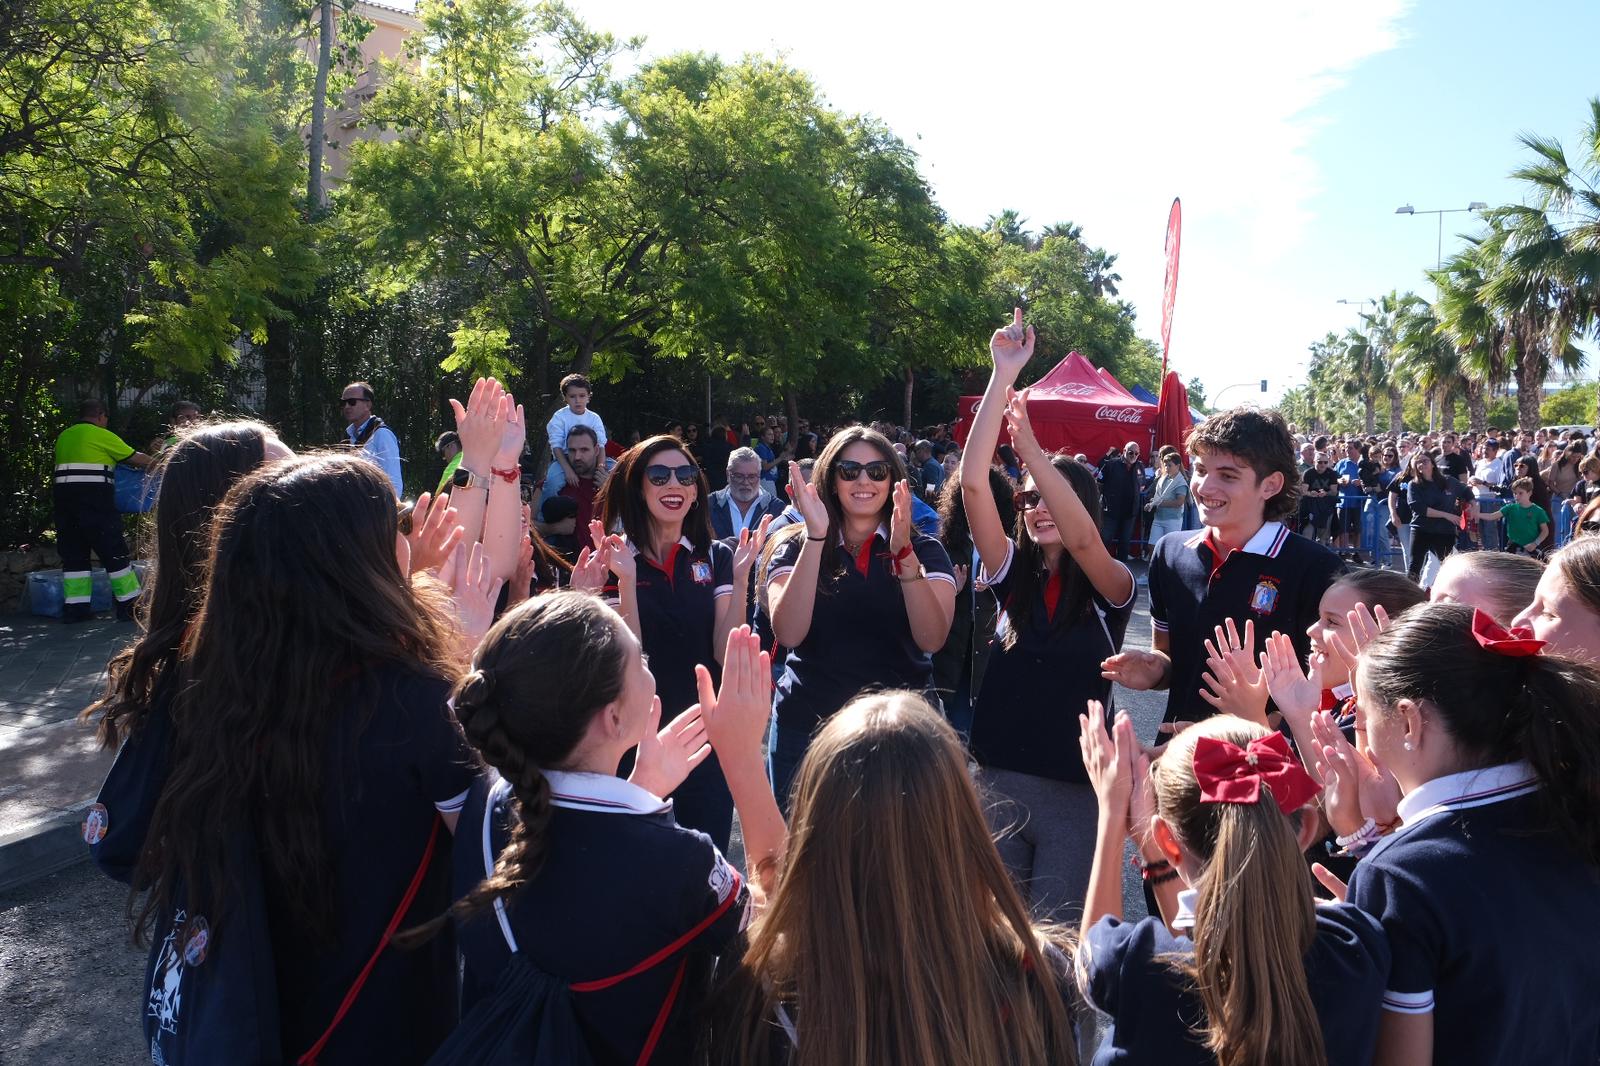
1077	408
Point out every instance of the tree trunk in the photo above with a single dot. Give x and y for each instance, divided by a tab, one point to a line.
1370	412
1447	410
1477	406
791	410
1530	387
583	358
319	109
911	382
1397	415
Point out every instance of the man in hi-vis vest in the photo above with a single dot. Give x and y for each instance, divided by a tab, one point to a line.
86	511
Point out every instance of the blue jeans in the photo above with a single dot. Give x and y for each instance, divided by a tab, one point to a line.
1117	534
1492	532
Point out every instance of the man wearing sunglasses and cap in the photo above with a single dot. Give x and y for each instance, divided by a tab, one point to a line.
366	433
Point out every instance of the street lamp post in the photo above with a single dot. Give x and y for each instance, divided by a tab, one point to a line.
1258	383
1407	209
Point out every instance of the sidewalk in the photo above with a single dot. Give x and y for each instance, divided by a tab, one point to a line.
50	766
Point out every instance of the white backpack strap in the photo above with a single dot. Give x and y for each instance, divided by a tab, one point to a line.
788	1025
497	793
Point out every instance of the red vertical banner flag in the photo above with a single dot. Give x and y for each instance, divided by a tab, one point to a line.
1170	295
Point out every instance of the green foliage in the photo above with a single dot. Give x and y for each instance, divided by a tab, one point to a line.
1573	405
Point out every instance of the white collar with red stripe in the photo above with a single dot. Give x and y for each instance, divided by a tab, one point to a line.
883	531
1268	541
579	790
1471	788
1344	691
683	542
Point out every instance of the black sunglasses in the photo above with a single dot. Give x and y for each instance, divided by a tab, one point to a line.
660	474
1025	500
850	470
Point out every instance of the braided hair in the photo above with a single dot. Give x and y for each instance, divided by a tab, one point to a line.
539	677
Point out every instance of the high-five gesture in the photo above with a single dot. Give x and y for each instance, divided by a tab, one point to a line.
809	502
900	519
1011	347
434	532
479	425
748	550
666	756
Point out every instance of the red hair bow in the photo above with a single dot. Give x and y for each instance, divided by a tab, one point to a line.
1493	636
1230	774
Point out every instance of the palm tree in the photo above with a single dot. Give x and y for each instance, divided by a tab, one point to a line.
1102	278
1424	357
1359	363
1555	251
1382	334
1010	227
1473	328
1531	287
1333	381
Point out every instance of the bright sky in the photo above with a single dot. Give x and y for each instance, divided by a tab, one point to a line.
1292	129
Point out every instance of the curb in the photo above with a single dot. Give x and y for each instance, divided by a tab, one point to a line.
42	848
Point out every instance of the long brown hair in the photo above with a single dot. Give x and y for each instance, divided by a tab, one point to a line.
895	935
1579	563
1255	918
622	497
822	476
1029	573
541	674
195	474
303	598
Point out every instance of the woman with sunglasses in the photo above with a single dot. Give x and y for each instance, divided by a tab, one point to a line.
858	596
1066	604
675	587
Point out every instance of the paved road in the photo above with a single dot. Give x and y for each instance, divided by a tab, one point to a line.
70	981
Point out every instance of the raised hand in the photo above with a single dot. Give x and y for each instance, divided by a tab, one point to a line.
475	590
434	532
1364	625
522	576
619	558
665	757
900	518
748	550
1020	428
1136	669
737	716
808	502
1142	798
1108	758
1297	695
1373	789
589	572
961	572
1233	678
479	424
513	433
1012	346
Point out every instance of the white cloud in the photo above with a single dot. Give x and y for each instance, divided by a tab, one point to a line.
1098	113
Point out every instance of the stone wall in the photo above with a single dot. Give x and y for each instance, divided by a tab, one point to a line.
15	566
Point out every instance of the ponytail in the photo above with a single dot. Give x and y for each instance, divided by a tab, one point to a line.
1544	709
539	677
1255	918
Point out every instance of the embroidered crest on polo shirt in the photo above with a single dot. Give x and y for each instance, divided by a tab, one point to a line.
1264	600
701	572
722	878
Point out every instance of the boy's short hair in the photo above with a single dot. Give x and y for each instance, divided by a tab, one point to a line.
446	439
1591	465
1523	484
574	379
1263	441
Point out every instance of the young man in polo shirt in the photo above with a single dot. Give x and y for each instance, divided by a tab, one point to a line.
1243	565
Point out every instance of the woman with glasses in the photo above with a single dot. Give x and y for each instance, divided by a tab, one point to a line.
1066	604
675	587
858	596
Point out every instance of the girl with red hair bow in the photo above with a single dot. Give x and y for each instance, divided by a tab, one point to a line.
1248	969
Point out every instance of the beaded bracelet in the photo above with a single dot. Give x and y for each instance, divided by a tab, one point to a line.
1367	833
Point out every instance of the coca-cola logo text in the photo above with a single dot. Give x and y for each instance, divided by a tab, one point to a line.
1129	415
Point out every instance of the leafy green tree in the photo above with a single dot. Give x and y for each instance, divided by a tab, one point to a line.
1425	358
1473	328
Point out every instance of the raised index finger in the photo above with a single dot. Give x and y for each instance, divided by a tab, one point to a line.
1016	316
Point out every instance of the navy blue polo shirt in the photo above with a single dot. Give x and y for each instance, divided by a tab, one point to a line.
395	761
1128	975
1485	910
621	881
1276	580
1422	495
1026	718
860	635
678	616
